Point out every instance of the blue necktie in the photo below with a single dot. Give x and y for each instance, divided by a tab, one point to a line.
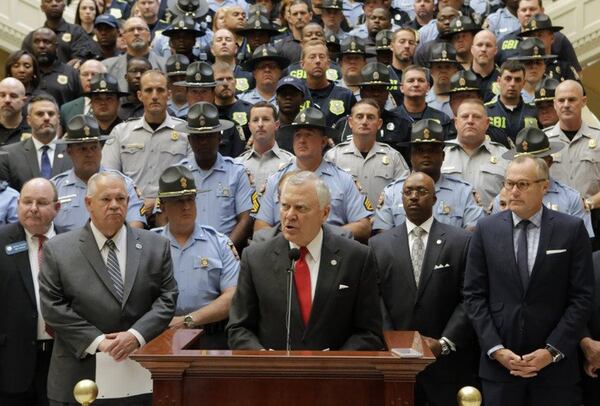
46	169
522	262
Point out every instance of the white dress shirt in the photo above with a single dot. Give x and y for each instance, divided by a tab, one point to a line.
39	151
32	245
313	260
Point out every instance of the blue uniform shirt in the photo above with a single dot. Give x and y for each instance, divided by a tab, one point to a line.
224	192
502	22
8	203
352	11
348	205
252	96
455	204
71	195
204	267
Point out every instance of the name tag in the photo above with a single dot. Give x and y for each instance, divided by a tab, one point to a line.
16	247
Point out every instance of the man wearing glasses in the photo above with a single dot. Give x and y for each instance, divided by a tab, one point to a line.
528	292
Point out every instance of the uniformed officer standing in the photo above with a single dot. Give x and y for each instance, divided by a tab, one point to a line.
176	67
531	53
265	157
205	262
266	66
353	57
182	36
461	34
472	156
442	64
12	101
372	164
455	203
83	140
8	203
292	96
349	209
299	15
334	101
559	196
143	147
104	101
225	195
504	20
544	103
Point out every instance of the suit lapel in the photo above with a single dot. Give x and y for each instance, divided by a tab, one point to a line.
31	158
59	165
432	253
281	263
402	245
545	234
89	250
134	253
22	263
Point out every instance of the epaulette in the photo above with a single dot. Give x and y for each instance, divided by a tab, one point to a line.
158	230
285	166
401	179
457	180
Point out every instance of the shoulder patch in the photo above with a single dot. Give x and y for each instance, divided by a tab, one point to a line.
255	203
367	204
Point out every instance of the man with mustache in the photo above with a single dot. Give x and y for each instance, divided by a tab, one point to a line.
12	101
39	155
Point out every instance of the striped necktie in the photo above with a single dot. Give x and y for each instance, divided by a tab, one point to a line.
114	270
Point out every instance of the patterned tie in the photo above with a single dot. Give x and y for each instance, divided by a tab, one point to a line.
522	255
41	240
114	271
46	169
417	253
302	281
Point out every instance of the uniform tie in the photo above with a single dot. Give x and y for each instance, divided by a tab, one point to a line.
417	252
302	281
46	167
522	254
114	271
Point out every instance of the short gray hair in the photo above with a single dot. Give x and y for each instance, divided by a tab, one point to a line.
541	168
304	177
92	184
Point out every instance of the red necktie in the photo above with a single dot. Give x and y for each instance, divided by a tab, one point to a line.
302	281
41	240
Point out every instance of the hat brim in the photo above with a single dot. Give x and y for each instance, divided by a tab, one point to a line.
554	148
180	193
282	61
118	93
332	8
459	90
183	83
375	84
245	31
444	61
169	32
292	86
543	99
201	11
223	125
448	35
290	129
65	140
528	32
531	58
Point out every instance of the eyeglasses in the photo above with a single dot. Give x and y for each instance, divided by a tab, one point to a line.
421	192
522	185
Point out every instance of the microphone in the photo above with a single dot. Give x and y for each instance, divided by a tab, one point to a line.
293	255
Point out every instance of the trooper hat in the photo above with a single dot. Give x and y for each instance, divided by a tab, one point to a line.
532	141
177	65
463	81
266	53
546	90
383	40
197	8
443	52
460	24
538	22
258	22
332	5
184	23
530	49
352	45
375	74
198	74
104	83
311	117
203	118
176	181
82	128
427	131
296	83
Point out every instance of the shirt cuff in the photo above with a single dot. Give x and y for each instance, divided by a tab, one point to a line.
450	343
93	347
138	336
494	349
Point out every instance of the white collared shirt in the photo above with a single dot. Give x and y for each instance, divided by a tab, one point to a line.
87	105
313	260
32	245
39	151
120	240
411	236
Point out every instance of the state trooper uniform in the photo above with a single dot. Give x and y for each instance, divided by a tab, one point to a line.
224	191
352	11
200	75
105	83
383	40
502	22
255	23
395	131
484	169
260	167
141	153
205	266
176	67
72	190
347	203
455	204
61	81
559	196
8	203
444	53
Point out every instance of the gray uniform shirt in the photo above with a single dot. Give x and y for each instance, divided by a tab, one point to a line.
262	166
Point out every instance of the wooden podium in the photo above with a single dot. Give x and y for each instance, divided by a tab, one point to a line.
183	374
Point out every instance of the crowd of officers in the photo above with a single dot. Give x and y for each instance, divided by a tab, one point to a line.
240	94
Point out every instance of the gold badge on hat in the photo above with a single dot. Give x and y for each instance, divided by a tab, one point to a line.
182	24
426	133
257	23
204	262
458	23
375	75
174	135
536	51
103	84
462	82
265	52
384	41
525	146
177	65
66	37
533	23
493	160
353	46
202	121
444	54
302	117
385	160
198	76
592	144
86	131
183	182
543	92
62	79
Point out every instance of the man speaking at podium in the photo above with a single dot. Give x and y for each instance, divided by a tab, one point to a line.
334	298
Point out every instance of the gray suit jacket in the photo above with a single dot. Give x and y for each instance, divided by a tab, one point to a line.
21	163
117	66
78	299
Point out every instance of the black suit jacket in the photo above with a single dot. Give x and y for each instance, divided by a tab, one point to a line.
553	310
21	163
18	318
342	318
435	308
593	328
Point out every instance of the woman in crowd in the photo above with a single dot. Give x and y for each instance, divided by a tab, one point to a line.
22	65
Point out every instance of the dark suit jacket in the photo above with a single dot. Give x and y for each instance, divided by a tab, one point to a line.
21	163
593	329
18	318
553	310
436	308
78	299
70	110
340	319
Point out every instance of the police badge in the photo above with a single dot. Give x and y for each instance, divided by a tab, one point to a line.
336	107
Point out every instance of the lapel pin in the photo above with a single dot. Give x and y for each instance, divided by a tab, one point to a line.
60	156
438	242
333	262
138	246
